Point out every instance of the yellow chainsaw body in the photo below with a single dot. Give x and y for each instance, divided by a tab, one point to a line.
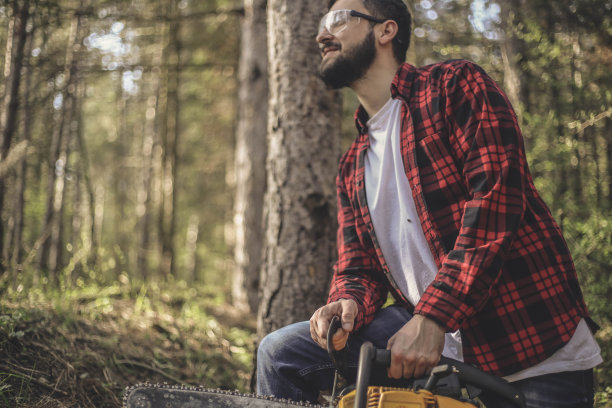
385	397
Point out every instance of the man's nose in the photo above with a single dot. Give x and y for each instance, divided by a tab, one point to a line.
324	36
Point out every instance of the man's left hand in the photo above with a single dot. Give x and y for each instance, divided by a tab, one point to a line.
415	348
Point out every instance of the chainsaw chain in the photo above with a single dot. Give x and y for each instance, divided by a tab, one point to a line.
171	387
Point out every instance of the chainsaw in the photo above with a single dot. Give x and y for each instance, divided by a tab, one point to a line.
451	384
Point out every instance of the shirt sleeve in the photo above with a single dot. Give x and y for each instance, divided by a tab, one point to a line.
488	144
356	274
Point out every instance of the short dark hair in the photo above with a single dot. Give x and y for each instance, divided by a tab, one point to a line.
397	11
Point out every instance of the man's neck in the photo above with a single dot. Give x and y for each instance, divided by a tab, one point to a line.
374	89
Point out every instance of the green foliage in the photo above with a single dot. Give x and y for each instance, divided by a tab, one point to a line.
591	241
566	109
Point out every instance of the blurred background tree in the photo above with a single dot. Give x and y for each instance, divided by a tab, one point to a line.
123	130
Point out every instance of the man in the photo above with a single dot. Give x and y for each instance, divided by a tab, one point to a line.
437	207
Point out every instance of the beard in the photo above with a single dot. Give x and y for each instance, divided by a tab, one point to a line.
351	66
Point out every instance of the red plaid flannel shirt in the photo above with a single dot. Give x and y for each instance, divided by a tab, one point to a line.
505	274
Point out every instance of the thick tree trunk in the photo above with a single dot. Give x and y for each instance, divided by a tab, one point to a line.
303	149
250	155
13	62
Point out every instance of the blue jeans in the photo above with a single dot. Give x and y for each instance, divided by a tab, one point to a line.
571	389
291	365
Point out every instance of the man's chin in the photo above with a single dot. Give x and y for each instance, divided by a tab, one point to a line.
326	63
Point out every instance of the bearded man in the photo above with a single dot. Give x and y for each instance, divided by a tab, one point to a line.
437	207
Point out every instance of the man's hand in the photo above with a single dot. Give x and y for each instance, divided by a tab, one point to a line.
416	348
319	322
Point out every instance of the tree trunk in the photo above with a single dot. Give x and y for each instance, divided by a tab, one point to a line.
250	155
513	52
607	131
123	180
303	148
170	138
20	185
66	129
579	141
191	248
149	143
13	62
87	209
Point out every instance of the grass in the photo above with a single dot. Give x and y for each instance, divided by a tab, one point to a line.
82	347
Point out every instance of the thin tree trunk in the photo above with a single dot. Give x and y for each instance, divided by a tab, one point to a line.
607	131
150	135
170	137
15	45
122	179
90	203
303	148
513	51
592	137
191	248
576	102
17	249
68	112
250	155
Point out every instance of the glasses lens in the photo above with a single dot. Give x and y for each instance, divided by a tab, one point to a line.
335	21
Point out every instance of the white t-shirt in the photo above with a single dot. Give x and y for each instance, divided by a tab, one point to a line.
396	222
407	253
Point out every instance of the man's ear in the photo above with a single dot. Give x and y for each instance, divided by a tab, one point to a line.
387	32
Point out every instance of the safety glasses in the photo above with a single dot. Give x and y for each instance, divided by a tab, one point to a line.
337	21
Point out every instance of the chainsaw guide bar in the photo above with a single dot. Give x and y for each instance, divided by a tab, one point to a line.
149	395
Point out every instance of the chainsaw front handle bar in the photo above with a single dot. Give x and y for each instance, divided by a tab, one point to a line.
369	356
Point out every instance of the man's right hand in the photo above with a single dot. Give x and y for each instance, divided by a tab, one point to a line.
319	322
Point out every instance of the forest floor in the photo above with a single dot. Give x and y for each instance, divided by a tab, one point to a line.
84	347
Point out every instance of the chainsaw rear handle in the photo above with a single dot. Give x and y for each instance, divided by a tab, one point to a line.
368	355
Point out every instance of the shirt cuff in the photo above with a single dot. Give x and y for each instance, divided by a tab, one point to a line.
439	306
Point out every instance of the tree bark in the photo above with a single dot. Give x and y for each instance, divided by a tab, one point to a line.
303	148
250	155
15	46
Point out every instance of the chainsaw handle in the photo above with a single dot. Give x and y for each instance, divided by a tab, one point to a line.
368	355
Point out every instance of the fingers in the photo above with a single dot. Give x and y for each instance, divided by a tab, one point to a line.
319	322
411	365
340	339
349	313
415	349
